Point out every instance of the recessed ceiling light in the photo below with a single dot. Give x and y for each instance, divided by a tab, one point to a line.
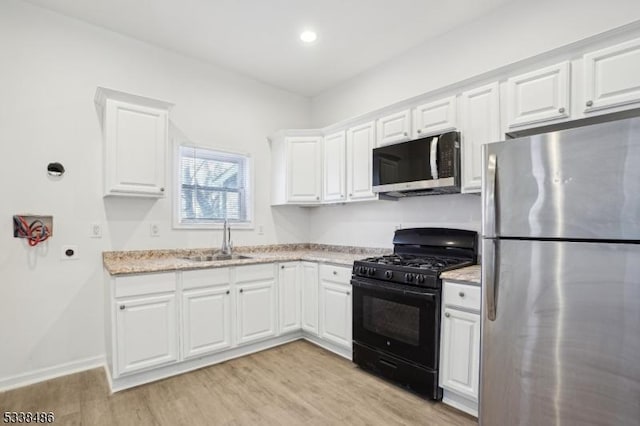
308	36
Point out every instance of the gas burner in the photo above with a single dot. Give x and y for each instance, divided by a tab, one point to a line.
432	263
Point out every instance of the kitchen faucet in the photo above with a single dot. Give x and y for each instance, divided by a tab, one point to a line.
227	245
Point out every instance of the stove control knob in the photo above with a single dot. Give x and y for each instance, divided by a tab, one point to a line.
420	278
360	269
388	275
371	271
408	277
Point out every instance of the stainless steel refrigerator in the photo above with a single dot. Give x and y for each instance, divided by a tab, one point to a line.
561	278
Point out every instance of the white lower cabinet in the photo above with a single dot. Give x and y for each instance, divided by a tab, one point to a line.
289	296
309	287
460	346
159	323
256	303
146	332
206	321
335	305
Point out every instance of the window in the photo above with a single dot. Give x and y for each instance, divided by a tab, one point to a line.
213	186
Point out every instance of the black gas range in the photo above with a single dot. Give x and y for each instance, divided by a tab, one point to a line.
396	305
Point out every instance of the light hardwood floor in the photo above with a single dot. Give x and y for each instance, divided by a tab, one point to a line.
293	384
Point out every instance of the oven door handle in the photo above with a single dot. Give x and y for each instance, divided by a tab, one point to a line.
428	294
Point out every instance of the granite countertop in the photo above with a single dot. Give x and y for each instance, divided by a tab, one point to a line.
146	261
469	274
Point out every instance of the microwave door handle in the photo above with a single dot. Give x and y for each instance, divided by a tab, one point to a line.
433	158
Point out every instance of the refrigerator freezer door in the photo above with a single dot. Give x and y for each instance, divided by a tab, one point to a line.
564	348
582	183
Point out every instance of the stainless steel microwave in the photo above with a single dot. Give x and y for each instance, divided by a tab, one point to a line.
425	166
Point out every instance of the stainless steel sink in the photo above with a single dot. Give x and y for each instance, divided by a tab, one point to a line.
211	258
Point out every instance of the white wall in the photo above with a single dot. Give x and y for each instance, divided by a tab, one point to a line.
372	224
510	33
51	310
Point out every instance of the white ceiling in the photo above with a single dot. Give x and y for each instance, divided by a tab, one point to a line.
259	38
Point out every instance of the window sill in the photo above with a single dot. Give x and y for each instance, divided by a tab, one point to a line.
232	226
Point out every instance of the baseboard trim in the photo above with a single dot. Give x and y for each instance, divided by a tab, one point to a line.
460	402
338	350
49	373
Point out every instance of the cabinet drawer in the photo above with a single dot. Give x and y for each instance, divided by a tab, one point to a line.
205	278
136	285
334	273
255	272
462	295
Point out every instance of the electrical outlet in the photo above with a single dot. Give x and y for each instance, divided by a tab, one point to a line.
154	229
95	230
398	226
260	230
69	252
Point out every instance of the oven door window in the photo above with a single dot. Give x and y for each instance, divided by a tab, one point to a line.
403	324
394	320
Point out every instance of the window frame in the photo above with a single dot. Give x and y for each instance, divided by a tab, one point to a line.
177	190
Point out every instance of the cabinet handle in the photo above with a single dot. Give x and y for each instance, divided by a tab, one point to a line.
405	134
461	294
281	266
561	110
348	293
317	198
350	195
241	290
122	307
419	130
227	291
162	189
335	272
589	103
447	314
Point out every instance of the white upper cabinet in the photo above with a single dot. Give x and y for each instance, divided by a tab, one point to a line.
304	165
612	76
538	96
334	161
394	128
296	167
135	136
360	143
434	117
480	125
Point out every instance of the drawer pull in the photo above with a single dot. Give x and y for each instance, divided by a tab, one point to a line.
461	294
335	272
241	290
447	314
227	291
122	307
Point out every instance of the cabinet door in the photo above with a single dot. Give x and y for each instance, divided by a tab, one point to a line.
435	117
309	284
394	128
289	295
360	143
256	311
146	332
206	321
335	313
304	156
612	76
334	164
460	353
480	125
538	96
135	149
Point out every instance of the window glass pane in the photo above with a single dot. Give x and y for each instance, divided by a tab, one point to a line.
212	186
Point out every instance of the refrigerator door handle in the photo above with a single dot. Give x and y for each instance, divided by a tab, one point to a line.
490	197
490	279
